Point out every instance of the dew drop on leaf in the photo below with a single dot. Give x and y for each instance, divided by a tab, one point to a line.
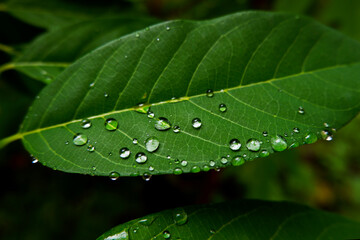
195	169
114	176
212	163
152	144
162	124
167	28
146	221
326	135
106	95
137	35
141	158
310	138
184	163
209	93
235	144
294	145
34	159
224	160
85	123
253	145
326	125
196	123
237	161
90	148
146	177
166	235
180	216
177	171
91	85
135	141
111	124
176	129
124	153
206	168
264	153
80	139
222	107
278	143
151	168
150	114
296	130
301	110
265	133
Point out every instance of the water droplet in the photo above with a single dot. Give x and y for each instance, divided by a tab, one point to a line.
253	145
177	171
142	109
93	168
34	159
167	28
180	216
217	169
301	110
224	160
106	95
196	123
176	161
66	142
80	139
147	221
296	130
195	169
168	157
310	138
166	234
294	145
152	144
111	124
235	144
206	168
212	231
141	158
124	153
265	133
146	177
91	85
147	29
162	124
176	129
158	39
212	163
85	123
326	135
278	143
184	163
150	114
237	161
264	153
90	148
135	141
110	154
222	108
326	125
151	168
114	176
209	93
137	35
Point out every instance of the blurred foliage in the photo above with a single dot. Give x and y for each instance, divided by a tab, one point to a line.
39	203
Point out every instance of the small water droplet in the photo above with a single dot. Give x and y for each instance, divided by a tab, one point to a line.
166	235
158	39
301	110
235	144
111	124
80	139
180	216
253	145
206	168
150	114
212	231
209	93
196	123
222	108
184	163
265	133
142	109
177	171
110	154
114	176
90	148
326	135
86	123
162	124
212	163
106	95
147	29
310	138
151	168
146	221
296	130
137	35
146	177
176	161
176	129
278	143
91	85
141	158
264	153
93	168
294	145
224	160
168	157
237	161
195	169
167	28
152	144
34	159
326	125
135	141
66	142
124	153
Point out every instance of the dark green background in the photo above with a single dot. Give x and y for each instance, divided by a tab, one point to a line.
39	203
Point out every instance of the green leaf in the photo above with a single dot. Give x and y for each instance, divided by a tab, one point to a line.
245	219
51	53
279	73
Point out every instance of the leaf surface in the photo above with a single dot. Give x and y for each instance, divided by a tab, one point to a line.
283	79
245	219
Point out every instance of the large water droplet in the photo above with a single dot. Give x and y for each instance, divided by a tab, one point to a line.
301	110
162	124
195	169
253	145
166	235
222	107
310	138
237	161
177	171
114	175
180	216
196	123
85	123
141	158
80	139
209	93
111	124
278	143
326	135
152	144
124	153
235	144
